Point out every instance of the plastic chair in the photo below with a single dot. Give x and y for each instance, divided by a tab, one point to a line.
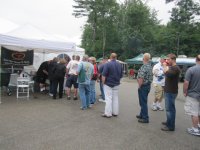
23	87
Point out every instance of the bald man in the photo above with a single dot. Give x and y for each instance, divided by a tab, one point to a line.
144	78
111	75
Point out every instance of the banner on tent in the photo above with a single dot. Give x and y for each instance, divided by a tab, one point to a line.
11	57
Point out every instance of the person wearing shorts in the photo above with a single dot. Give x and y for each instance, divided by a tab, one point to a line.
158	83
72	77
191	89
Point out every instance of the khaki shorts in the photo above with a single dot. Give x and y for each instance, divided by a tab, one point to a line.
192	106
158	92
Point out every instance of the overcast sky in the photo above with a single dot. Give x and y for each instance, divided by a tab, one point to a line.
55	16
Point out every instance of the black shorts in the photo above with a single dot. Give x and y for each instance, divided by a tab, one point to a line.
72	80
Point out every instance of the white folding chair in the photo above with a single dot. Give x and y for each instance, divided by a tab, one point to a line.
23	87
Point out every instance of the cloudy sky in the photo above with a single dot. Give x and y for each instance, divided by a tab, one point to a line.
55	16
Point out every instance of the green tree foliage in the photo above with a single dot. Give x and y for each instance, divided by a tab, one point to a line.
132	27
184	21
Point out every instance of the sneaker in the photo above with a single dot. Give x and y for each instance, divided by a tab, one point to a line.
82	108
160	108
75	98
193	131
101	100
42	89
50	94
199	126
68	97
106	116
154	108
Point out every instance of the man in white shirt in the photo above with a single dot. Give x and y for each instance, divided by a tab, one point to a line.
72	77
158	83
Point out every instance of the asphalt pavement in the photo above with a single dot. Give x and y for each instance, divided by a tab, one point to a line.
42	123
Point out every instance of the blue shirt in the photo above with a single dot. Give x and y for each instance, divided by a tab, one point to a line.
113	73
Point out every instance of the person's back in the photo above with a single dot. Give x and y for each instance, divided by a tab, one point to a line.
192	76
72	67
113	72
59	71
88	68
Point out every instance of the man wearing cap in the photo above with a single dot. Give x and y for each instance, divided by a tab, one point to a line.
158	83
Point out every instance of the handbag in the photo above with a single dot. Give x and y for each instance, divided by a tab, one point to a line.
81	75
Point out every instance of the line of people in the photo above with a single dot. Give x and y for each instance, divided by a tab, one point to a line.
165	77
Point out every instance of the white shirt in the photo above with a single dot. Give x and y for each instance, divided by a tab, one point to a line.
158	74
72	66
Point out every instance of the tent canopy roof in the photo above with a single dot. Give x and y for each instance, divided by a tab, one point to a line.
179	61
136	60
40	46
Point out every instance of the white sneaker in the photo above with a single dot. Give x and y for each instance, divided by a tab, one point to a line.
154	107
42	89
193	131
160	108
50	94
101	100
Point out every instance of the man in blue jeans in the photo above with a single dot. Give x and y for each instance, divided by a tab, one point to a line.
172	72
84	85
144	78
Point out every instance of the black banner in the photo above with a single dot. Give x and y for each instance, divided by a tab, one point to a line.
11	57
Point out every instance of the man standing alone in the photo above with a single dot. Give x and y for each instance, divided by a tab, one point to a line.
144	79
111	75
191	90
172	72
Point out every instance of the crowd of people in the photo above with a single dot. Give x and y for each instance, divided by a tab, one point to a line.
164	76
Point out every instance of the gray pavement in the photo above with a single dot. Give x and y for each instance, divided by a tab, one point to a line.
42	123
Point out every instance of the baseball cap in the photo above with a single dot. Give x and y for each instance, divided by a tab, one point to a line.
163	57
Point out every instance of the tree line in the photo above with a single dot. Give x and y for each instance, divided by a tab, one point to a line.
132	27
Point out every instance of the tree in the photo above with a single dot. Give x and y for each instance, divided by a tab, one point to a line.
101	15
183	19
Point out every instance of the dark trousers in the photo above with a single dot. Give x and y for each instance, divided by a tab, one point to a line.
56	82
143	92
51	87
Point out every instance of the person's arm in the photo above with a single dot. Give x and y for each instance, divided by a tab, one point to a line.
104	73
103	78
185	87
80	65
140	82
45	72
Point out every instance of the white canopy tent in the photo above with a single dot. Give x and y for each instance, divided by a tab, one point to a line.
45	46
39	46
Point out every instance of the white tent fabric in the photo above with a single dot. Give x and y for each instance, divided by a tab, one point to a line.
28	31
30	37
7	25
39	46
